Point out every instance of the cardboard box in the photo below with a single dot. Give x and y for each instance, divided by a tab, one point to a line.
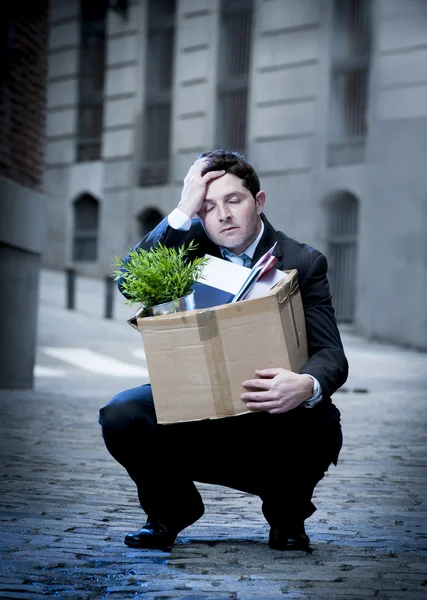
197	360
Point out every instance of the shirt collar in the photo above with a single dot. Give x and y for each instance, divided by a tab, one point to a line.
250	250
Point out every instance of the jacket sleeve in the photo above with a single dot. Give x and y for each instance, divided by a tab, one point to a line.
165	234
327	361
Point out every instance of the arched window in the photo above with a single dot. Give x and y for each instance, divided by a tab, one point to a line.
342	254
86	222
148	219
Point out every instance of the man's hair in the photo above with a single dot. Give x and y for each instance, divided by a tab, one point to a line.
235	164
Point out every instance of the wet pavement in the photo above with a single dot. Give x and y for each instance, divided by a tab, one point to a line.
66	505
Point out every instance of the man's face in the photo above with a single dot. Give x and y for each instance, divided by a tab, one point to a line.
230	214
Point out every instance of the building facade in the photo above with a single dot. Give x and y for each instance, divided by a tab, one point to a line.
326	98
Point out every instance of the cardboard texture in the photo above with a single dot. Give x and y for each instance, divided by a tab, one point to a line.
197	360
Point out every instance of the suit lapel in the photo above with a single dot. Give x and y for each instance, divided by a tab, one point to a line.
269	237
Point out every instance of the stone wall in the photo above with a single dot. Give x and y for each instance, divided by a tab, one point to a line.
22	123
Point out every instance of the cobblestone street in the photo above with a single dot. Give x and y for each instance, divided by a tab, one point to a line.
66	505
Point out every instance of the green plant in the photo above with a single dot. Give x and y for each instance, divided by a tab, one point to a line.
158	275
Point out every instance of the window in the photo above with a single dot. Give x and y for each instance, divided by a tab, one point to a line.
91	79
158	85
148	220
234	63
86	218
342	253
351	51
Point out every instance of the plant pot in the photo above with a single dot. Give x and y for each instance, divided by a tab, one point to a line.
181	304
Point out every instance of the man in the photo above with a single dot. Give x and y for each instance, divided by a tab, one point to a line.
282	448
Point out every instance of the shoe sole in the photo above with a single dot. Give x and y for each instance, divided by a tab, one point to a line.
149	546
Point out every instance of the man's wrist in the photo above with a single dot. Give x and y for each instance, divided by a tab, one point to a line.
308	386
186	211
316	394
179	220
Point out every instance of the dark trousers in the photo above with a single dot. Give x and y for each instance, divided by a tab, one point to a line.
280	458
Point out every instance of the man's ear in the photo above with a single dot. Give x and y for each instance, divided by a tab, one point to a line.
260	201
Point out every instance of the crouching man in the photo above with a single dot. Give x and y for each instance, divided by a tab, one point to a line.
284	446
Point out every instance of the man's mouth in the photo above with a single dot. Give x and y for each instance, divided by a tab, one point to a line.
228	229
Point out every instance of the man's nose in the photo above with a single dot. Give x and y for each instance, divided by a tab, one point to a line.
224	214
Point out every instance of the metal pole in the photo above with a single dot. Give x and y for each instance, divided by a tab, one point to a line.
71	288
109	287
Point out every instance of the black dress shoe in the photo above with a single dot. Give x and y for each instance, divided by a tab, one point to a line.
287	539
152	535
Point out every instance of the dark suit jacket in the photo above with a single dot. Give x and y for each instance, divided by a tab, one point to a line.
327	362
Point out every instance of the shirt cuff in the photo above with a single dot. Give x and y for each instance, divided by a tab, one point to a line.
179	220
317	394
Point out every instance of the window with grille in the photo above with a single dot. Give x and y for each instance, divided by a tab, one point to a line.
233	74
342	254
158	85
91	79
86	222
350	63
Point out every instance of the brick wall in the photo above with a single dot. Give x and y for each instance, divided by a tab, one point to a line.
24	32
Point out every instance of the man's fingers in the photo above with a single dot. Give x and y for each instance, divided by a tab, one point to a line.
271	407
268	372
200	162
197	167
212	175
195	174
261	396
257	384
195	185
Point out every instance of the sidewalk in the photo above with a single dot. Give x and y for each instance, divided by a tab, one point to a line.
90	294
66	505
